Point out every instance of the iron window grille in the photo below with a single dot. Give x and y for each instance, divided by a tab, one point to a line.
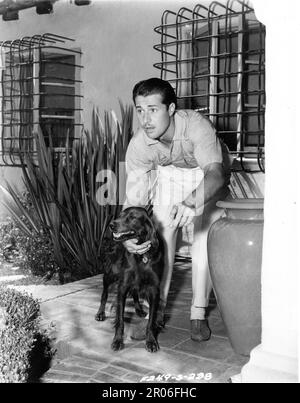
39	92
214	57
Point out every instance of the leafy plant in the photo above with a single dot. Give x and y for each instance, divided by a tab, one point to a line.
39	255
25	349
63	187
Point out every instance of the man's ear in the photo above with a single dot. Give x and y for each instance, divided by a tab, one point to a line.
172	108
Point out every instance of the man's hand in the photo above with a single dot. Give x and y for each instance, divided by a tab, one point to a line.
132	247
181	215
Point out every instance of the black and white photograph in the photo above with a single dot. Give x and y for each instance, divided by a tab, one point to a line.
149	194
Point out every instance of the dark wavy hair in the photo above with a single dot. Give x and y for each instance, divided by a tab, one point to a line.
155	86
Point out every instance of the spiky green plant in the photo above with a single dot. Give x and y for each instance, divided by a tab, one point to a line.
63	190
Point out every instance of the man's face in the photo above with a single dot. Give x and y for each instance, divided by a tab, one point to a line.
154	116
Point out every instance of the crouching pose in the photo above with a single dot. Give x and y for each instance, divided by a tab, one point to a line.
176	162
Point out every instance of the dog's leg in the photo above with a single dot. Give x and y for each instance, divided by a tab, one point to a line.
100	315
151	331
138	307
118	343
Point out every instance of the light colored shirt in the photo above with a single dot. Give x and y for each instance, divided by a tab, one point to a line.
194	144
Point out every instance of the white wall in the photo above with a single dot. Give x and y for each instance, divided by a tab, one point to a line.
276	358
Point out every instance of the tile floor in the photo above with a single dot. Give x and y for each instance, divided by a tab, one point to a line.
83	344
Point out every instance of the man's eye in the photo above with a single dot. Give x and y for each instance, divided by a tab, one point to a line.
153	110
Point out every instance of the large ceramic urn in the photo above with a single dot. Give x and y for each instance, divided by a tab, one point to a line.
235	255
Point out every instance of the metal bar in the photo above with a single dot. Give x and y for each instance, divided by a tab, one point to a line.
61	48
33	123
52	84
231	74
59	38
235	113
226	66
202	38
47	61
167	35
42	108
240	184
245	153
213	82
220	94
214	16
163	68
255	106
216	3
249	133
58	117
180	15
240	84
41	77
156	47
46	94
217	56
48	47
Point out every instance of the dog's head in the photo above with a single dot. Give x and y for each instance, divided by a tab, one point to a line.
134	222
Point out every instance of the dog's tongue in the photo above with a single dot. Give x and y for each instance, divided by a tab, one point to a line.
118	235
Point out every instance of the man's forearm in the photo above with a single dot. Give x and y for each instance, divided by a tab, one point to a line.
210	186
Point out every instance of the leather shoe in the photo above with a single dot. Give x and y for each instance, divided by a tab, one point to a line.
200	330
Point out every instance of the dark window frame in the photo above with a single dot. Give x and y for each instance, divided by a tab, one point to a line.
26	91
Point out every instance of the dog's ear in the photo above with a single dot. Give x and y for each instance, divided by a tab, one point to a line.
152	234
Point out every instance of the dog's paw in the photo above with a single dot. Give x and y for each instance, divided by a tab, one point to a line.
160	320
140	312
152	346
160	325
117	345
100	316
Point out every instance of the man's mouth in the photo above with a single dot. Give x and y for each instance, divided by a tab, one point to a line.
149	129
120	236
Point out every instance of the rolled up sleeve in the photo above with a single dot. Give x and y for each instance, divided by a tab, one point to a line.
207	147
139	168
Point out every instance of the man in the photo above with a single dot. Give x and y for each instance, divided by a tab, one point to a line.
191	174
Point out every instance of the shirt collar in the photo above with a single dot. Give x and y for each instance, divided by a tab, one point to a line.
149	141
177	134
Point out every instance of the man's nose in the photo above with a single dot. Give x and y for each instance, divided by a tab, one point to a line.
146	118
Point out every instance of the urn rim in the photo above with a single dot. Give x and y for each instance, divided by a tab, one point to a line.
242	204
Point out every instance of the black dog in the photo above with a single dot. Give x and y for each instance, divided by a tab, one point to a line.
136	274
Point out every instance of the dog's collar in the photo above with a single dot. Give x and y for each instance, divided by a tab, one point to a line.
145	259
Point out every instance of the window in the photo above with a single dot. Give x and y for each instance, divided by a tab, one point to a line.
215	59
40	90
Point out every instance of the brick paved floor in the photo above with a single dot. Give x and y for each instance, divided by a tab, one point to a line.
84	353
